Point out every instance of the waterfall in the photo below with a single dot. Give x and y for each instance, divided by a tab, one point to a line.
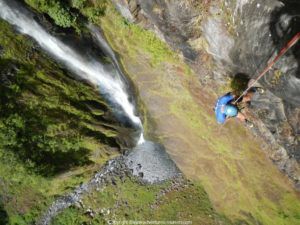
110	83
100	40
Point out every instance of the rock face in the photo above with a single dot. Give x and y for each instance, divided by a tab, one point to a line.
260	31
242	37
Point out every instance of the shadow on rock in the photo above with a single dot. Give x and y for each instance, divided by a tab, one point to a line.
151	163
239	83
3	215
284	25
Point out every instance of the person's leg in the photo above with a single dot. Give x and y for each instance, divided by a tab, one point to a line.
241	117
247	97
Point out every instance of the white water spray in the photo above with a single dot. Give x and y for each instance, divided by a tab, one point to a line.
86	68
108	50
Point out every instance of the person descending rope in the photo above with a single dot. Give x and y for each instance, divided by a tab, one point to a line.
226	106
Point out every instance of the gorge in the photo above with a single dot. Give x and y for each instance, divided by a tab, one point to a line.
89	78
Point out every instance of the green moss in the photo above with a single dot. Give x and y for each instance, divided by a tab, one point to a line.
130	34
45	112
57	10
79	4
276	77
22	192
72	216
129	200
66	13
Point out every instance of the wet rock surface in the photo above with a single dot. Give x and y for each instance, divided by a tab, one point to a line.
150	162
242	37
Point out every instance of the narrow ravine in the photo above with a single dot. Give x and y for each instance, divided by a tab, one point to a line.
135	81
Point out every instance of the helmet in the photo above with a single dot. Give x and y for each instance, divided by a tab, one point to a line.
230	110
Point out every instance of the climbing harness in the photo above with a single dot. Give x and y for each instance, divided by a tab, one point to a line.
291	43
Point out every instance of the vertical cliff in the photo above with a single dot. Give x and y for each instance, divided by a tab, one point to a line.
241	37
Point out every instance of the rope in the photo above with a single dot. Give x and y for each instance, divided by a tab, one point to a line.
290	44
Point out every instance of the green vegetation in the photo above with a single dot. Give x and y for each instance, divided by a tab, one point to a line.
130	200
53	134
57	10
78	4
227	15
139	39
3	214
45	115
276	77
61	15
66	14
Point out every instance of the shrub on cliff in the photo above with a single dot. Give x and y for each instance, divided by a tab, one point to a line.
64	14
78	4
57	10
61	15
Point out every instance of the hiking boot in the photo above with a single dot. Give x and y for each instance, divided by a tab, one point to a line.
260	90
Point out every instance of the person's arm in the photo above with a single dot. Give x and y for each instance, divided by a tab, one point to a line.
227	98
221	118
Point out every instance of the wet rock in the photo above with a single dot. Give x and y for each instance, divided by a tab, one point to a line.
90	212
9	69
126	8
113	181
150	162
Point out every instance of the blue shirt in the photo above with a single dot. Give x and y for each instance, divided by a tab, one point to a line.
222	101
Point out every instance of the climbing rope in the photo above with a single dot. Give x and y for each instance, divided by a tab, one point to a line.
291	43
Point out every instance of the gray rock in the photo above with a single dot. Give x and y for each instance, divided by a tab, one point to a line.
151	163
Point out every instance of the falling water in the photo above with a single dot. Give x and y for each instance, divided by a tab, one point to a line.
110	84
100	40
